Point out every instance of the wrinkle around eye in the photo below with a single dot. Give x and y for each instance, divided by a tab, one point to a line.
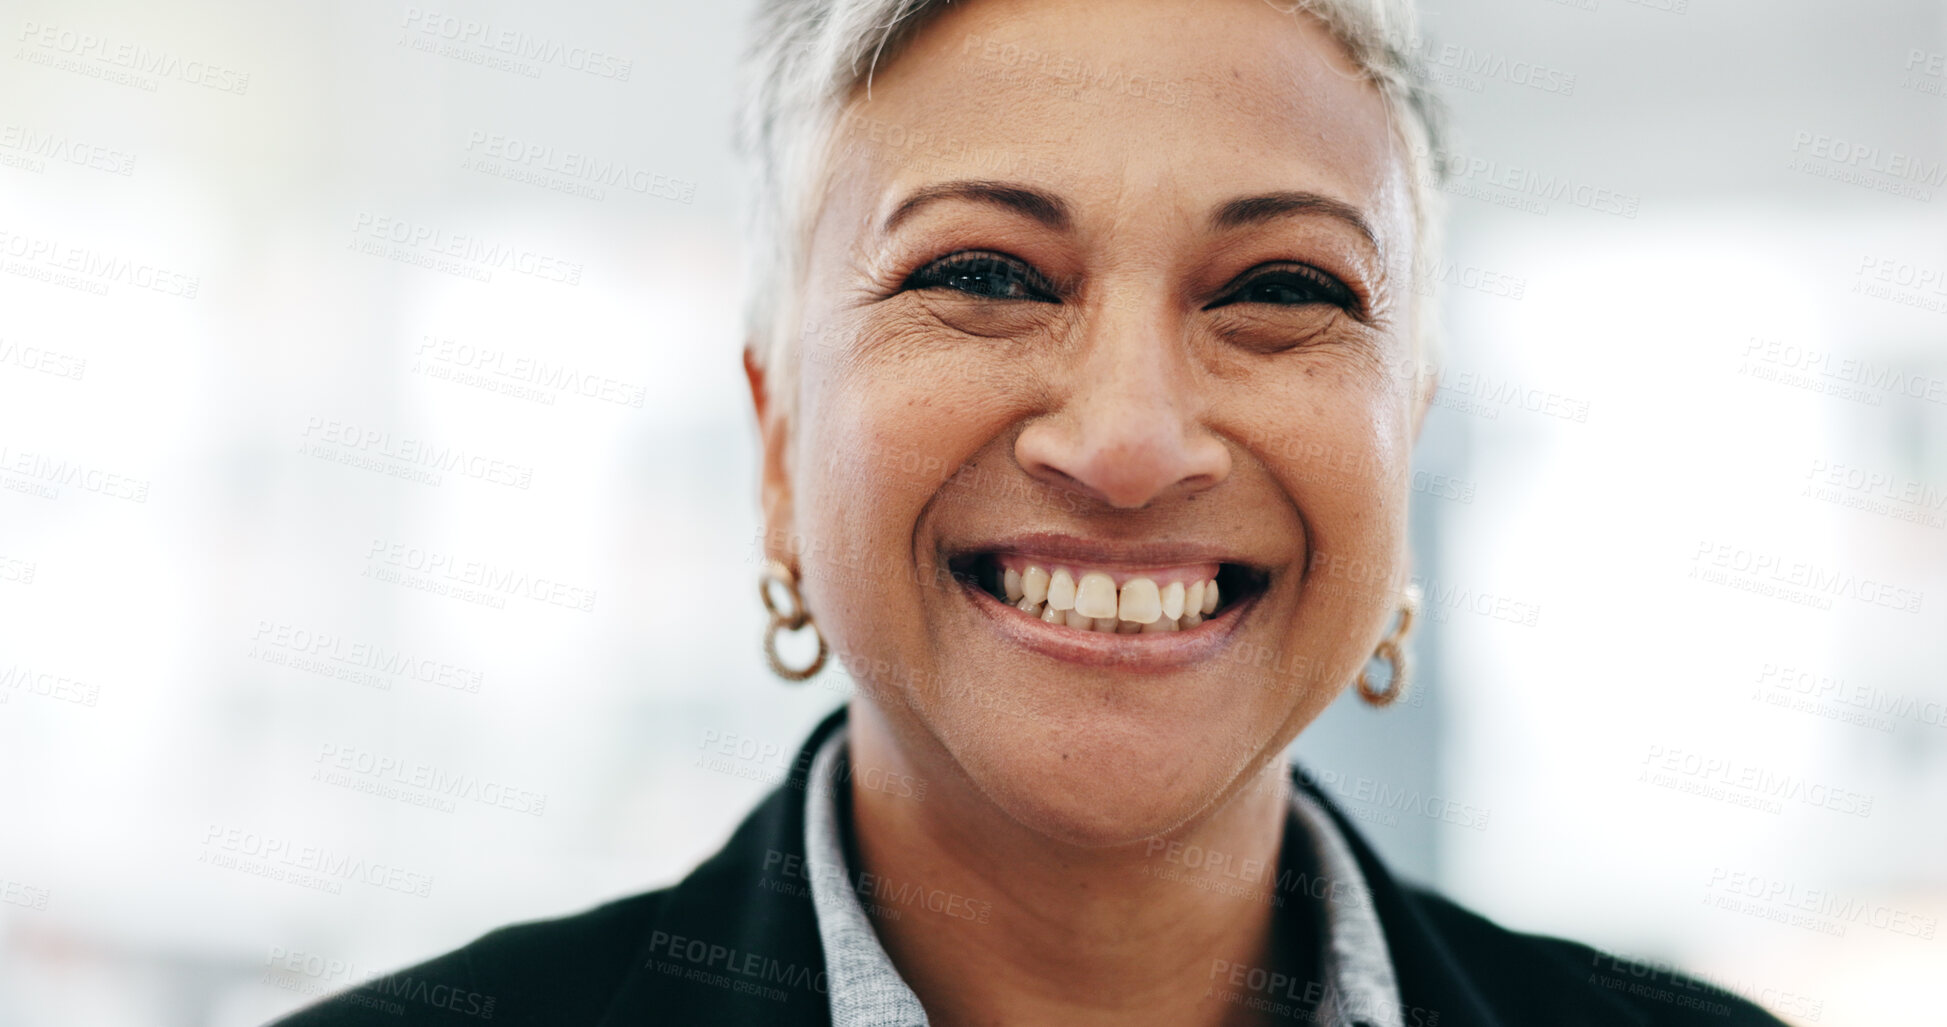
978	316
1282	328
1290	329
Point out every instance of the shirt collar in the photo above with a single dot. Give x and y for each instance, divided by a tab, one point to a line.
867	991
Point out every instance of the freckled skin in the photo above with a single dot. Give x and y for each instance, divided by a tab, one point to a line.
1138	407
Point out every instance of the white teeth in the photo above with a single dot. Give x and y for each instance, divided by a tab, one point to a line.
1034	584
1140	601
1172	600
1094	603
1095	595
1061	591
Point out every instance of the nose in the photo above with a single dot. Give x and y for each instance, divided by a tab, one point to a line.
1129	428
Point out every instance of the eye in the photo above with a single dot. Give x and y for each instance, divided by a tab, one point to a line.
1288	285
994	276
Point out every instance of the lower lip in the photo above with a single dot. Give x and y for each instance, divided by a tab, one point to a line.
1158	650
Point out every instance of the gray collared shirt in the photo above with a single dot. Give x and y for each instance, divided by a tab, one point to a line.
866	991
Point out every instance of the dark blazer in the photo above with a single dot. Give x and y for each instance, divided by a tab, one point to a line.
736	942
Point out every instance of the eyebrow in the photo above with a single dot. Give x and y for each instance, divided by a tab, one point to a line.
1256	210
1050	210
1042	207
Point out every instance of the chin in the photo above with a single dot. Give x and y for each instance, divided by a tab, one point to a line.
1088	771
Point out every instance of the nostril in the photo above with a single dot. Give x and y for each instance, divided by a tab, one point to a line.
1125	459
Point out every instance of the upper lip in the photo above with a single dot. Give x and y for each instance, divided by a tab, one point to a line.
1072	549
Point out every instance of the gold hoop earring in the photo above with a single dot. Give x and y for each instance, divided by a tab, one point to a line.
1392	649
776	573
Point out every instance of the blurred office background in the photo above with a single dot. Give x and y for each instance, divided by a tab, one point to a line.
1681	519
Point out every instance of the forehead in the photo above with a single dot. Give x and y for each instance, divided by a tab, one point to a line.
1124	106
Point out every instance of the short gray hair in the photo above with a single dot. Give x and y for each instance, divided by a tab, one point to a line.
806	57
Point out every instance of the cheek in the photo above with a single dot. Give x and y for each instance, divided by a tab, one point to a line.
1344	454
1336	430
896	408
876	445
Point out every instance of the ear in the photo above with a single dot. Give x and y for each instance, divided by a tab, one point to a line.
773	476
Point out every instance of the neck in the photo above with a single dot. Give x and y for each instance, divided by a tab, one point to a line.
1010	926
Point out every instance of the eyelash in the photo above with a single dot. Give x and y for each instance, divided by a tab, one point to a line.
1017	275
1318	286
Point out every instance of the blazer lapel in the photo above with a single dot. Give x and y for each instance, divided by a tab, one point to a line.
737	941
1448	970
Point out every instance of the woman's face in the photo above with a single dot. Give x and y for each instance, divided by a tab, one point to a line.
1120	290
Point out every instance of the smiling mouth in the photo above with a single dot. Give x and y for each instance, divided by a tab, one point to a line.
1111	600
